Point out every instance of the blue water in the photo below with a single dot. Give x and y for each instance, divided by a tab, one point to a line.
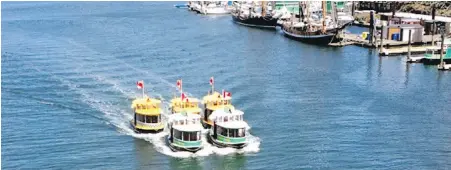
69	71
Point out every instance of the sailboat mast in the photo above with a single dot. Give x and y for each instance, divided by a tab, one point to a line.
301	17
324	16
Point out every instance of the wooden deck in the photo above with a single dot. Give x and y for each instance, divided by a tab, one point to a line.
405	50
360	41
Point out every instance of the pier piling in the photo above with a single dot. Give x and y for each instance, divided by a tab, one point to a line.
409	50
441	48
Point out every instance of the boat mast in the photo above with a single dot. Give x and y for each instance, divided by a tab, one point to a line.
324	16
301	15
263	8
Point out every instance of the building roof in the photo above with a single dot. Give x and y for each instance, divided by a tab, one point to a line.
405	26
417	16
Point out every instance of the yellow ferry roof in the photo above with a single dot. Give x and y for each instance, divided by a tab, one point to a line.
175	103
152	106
190	100
216	96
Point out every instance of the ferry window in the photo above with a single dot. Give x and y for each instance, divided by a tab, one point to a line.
138	106
226	118
241	132
140	118
225	132
177	134
194	136
186	136
151	119
236	132
219	130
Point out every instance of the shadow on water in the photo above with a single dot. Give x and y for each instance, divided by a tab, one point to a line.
228	162
407	72
186	163
147	156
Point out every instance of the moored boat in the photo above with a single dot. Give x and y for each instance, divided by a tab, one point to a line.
181	5
434	59
229	128
215	8
315	29
246	15
185	132
147	114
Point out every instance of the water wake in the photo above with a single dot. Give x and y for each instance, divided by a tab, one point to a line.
94	88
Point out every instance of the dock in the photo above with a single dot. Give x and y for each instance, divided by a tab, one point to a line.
445	67
360	41
404	50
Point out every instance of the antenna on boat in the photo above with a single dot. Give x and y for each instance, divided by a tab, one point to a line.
212	83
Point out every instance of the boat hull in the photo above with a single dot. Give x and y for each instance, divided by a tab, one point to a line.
224	145
259	22
216	11
206	125
144	131
428	61
175	148
312	39
315	37
181	6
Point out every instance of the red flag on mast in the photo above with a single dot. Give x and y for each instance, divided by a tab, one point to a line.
179	84
184	96
212	81
226	93
140	84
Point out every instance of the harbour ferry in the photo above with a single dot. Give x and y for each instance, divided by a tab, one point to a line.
147	114
213	101
185	132
228	128
184	103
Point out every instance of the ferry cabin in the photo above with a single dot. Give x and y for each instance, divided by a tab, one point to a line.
190	106
147	116
214	102
228	128
185	132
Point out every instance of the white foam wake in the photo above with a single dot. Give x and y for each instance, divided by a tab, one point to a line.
115	112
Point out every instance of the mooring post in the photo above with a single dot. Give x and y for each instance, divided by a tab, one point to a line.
371	30
408	50
433	32
382	37
433	24
441	49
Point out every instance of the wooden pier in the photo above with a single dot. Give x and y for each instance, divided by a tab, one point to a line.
404	50
354	39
